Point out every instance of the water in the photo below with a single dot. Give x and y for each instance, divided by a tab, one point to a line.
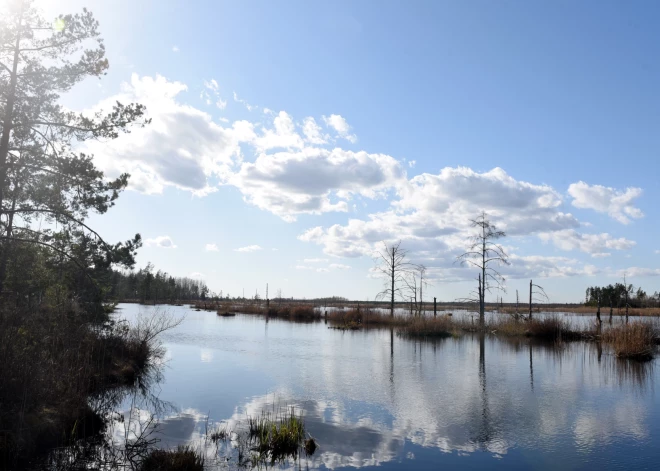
371	398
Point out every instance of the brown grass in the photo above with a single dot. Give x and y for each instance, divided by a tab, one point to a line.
635	340
581	309
430	327
51	361
548	328
365	317
183	458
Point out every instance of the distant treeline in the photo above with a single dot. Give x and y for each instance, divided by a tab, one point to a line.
619	294
146	285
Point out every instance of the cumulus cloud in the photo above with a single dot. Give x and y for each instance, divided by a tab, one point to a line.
249	248
431	215
618	204
313	132
315	180
211	248
339	124
182	147
164	242
596	245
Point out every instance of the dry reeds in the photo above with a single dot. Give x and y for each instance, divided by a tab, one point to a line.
635	340
429	327
182	458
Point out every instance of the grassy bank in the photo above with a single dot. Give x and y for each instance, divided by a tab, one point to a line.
52	360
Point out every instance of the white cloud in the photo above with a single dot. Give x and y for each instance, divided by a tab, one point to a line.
339	124
412	163
617	204
182	147
315	180
211	248
313	132
638	271
283	135
164	242
339	266
175	49
594	244
315	260
249	248
244	103
322	270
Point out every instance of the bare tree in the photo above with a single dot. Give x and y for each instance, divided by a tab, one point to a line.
536	293
413	288
483	252
391	262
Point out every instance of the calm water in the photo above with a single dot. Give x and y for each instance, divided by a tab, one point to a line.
374	399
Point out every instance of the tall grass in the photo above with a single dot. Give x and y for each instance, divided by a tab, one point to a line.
182	458
548	328
51	362
429	327
365	317
635	340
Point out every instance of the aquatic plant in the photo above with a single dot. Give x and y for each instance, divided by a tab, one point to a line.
182	458
635	340
429	327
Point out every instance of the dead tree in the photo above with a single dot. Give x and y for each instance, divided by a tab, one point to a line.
391	262
537	295
483	252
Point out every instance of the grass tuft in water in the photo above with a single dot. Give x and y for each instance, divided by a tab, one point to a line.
635	340
278	438
183	458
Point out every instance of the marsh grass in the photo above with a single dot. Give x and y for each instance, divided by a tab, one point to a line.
546	328
430	327
352	319
635	340
52	361
276	438
182	458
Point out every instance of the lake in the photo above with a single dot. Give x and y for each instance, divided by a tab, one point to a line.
374	399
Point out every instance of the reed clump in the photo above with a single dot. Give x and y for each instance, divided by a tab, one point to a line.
277	438
635	340
547	328
182	458
364	317
429	327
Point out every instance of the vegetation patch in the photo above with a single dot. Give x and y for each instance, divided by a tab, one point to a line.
635	340
429	327
182	458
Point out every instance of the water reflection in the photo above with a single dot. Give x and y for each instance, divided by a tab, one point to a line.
373	398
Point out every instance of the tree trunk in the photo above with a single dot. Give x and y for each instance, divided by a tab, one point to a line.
530	299
4	142
393	277
435	308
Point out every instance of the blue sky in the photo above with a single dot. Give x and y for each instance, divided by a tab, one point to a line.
315	130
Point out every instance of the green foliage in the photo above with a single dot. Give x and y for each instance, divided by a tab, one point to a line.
145	285
47	186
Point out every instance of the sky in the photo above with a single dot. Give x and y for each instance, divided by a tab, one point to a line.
290	140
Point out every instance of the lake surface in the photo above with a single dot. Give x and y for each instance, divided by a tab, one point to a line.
373	399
